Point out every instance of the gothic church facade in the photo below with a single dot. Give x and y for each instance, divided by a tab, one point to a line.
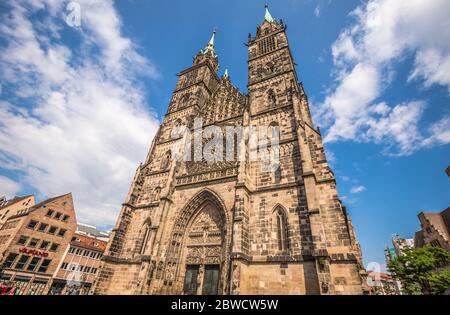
232	227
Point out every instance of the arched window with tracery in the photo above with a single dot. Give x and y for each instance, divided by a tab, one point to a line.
271	98
281	229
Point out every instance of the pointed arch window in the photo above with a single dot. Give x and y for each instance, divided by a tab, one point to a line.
145	235
277	174
281	227
272	100
273	134
156	193
166	161
185	100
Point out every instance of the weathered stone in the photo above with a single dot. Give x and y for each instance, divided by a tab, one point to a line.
265	232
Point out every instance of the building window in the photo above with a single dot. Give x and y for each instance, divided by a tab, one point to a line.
156	193
272	98
33	242
64	266
65	218
4	239
42	227
62	232
277	174
50	213
94	270
4	215
44	265
52	230
10	260
86	253
74	267
166	160
145	236
44	245
54	247
33	263
22	261
71	250
32	224
281	229
22	240
92	254
58	215
185	100
10	225
435	243
87	269
78	252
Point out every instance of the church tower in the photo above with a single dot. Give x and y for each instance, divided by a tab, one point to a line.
235	226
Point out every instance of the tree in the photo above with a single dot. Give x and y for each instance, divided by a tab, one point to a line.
423	270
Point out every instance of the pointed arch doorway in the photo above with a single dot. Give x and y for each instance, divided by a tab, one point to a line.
203	252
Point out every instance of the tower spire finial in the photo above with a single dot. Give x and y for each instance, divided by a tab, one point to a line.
210	46
211	41
267	16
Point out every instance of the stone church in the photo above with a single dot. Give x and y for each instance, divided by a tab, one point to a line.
234	227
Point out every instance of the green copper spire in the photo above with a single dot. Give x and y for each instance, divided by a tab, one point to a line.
267	16
210	46
225	75
211	41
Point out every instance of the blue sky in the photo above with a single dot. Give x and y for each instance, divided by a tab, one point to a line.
377	74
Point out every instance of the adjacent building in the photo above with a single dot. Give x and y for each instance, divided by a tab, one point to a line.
12	206
92	231
79	265
381	283
390	253
401	244
44	251
435	229
34	241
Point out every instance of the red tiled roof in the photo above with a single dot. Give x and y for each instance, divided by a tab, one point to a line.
382	275
88	242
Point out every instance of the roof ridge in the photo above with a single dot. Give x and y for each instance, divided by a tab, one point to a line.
16	199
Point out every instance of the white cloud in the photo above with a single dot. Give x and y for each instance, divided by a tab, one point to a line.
8	187
397	128
345	178
317	11
433	67
331	157
440	132
357	189
365	55
78	121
